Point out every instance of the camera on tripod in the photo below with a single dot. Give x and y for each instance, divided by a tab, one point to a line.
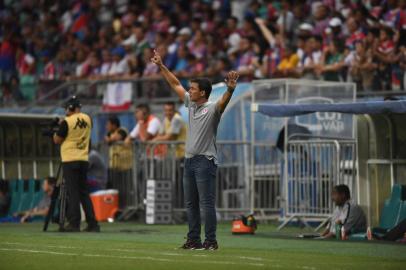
49	128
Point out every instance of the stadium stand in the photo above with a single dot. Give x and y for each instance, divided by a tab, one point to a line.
48	44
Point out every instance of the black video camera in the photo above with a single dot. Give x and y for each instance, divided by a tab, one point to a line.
49	128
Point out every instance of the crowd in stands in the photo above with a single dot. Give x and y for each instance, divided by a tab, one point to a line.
339	40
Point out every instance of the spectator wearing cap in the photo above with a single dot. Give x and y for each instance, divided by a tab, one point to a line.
119	65
305	30
334	30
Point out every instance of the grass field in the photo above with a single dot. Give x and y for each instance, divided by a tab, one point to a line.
136	246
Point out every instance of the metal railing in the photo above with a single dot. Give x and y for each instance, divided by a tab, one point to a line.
312	168
164	161
52	93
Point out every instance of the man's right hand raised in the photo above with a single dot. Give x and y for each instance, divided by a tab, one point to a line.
168	75
156	59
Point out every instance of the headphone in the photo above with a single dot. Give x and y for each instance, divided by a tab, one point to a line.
73	103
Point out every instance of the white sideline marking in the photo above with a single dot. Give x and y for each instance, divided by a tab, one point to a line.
143	251
171	254
49	246
122	257
38	251
128	257
251	258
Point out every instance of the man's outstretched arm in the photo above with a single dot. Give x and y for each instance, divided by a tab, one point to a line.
169	77
231	82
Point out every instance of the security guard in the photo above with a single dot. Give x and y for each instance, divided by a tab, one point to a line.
74	137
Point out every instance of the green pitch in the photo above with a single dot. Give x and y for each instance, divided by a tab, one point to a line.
135	246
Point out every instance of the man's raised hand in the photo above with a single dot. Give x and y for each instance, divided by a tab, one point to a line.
156	59
231	80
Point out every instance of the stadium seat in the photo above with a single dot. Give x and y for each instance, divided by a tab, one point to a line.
15	197
27	193
38	193
393	212
391	209
28	87
402	212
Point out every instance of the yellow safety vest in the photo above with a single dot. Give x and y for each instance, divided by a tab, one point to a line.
75	147
120	155
180	149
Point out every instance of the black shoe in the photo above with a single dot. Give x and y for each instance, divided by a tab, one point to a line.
69	228
192	245
94	228
210	245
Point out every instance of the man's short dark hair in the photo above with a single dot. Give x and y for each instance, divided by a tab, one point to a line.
235	19
343	189
318	38
114	121
144	107
51	180
170	103
204	85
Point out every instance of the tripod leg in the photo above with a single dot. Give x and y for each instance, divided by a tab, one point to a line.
54	199
62	210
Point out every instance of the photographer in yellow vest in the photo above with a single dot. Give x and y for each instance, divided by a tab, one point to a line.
74	137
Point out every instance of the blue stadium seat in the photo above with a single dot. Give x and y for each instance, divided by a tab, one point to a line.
38	193
393	212
27	192
15	197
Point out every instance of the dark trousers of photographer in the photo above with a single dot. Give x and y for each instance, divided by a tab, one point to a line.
75	174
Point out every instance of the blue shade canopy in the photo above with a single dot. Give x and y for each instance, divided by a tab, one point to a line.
370	107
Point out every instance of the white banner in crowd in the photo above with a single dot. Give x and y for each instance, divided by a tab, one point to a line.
117	97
